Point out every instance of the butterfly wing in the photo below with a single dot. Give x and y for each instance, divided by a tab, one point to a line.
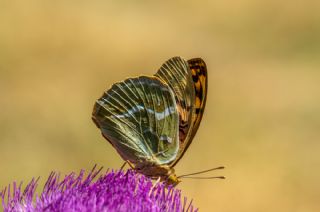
139	118
198	70
188	80
176	73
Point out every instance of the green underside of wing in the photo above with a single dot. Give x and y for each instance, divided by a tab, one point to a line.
139	117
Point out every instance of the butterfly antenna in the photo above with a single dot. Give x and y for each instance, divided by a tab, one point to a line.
205	178
201	172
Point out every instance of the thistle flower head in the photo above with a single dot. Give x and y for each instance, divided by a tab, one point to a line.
112	191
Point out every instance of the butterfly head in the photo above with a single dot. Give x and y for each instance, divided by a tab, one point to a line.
172	179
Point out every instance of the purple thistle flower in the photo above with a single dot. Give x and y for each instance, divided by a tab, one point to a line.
113	191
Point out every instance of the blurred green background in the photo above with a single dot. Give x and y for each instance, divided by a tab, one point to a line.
262	119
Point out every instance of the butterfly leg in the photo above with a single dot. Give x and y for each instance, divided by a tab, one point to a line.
123	165
154	185
129	163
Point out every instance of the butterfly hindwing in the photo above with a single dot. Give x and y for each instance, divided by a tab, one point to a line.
139	118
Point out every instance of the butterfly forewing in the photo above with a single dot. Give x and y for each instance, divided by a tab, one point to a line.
188	80
200	84
139	118
176	73
200	79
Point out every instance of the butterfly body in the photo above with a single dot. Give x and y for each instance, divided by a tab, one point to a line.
151	120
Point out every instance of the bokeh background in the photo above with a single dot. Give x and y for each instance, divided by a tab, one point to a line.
262	119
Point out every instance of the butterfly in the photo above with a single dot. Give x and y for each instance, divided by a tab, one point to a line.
152	120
